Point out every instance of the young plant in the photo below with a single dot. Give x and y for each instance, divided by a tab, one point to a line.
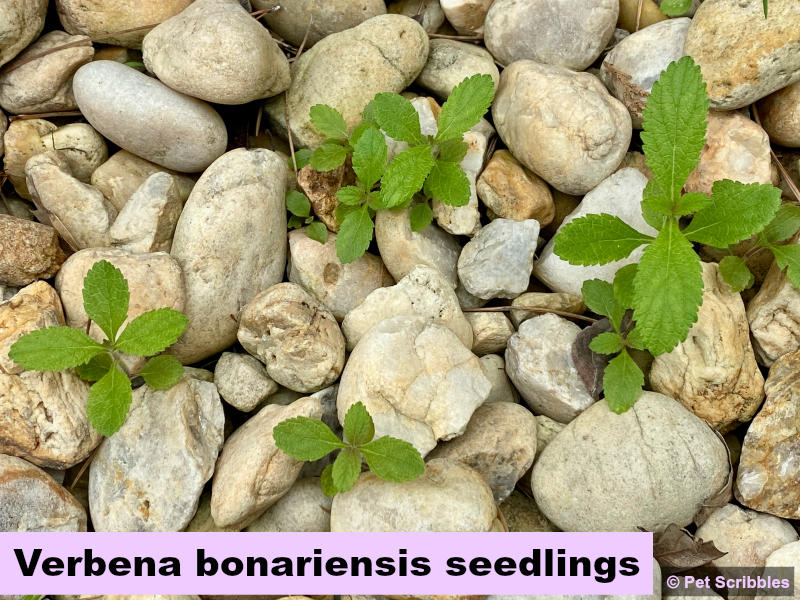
675	8
105	300
430	163
309	439
299	206
665	290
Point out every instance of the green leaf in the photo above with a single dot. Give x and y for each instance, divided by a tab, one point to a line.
634	340
465	106
294	222
96	368
346	469
597	240
598	295
297	203
622	382
766	8
668	290
735	273
376	201
397	117
421	216
108	402
452	150
623	285
161	372
350	195
318	232
152	332
735	212
54	349
609	342
328	121
355	235
359	131
789	256
405	175
691	203
369	157
674	125
368	114
341	211
784	225
448	184
326	481
305	439
328	157
675	8
302	157
105	297
393	460
358	425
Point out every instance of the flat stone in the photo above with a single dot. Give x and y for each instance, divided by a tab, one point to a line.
304	508
450	62
28	251
242	381
490	332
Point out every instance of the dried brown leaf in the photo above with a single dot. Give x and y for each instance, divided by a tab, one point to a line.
676	548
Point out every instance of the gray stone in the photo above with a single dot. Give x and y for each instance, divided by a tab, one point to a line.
145	117
546	430
522	515
20	23
651	466
490	332
231	244
563	126
304	508
502	389
450	62
497	262
432	14
149	475
242	381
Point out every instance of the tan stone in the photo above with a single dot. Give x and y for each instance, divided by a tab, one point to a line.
511	191
467	16
780	116
560	301
22	140
490	332
321	188
20	23
28	251
629	15
522	515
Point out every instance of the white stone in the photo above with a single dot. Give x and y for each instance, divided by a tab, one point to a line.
466	16
242	381
304	508
450	62
502	388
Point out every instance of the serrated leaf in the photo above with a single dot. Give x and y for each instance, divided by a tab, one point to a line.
653	198
106	297
675	8
298	204
152	332
346	469
326	481
597	240
37	596
452	150
317	231
376	201
607	343
328	157
368	114
358	425
54	349
397	117
405	175
465	106
355	235
634	340
789	256
161	372
623	285
350	195
96	368
305	439
341	211
691	203
735	212
735	273
109	401
598	295
674	125
784	225
369	157
328	121
448	184
421	216
359	131
668	290
302	157
393	460
622	382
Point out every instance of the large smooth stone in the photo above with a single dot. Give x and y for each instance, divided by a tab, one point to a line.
145	117
20	23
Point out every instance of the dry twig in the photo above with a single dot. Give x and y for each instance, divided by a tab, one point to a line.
780	166
561	313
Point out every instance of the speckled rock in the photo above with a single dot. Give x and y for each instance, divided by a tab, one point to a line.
252	474
560	301
145	117
242	381
31	501
450	62
570	33
304	508
511	191
391	48
231	244
490	332
563	126
738	73
449	496
522	515
502	389
767	478
149	475
20	23
780	115
422	292
416	378
657	452
28	251
184	53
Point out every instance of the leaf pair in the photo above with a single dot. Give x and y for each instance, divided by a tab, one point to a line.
309	439
106	298
299	206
